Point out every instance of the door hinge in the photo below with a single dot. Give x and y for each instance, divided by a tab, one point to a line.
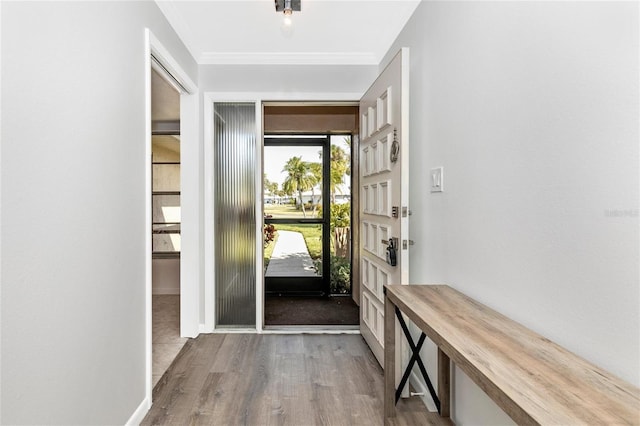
405	211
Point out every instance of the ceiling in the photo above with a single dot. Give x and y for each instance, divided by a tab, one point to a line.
328	32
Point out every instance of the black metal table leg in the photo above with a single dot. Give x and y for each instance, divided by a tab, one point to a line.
415	357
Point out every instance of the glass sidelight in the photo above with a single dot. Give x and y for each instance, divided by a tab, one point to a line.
234	211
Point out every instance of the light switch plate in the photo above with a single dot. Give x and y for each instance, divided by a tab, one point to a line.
437	182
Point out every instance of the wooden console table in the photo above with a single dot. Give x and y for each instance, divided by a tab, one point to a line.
534	380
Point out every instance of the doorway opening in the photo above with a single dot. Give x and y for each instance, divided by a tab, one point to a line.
296	172
166	222
307	215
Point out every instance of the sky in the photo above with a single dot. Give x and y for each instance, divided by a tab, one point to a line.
275	158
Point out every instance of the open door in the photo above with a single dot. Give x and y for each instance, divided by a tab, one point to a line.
384	194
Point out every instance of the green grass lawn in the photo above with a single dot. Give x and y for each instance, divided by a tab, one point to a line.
285	211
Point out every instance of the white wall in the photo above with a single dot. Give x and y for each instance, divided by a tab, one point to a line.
73	208
532	110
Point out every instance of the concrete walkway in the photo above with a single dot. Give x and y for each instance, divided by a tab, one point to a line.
290	257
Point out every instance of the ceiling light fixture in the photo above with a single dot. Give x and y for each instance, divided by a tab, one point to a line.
288	7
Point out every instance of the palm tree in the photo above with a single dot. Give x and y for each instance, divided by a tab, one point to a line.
299	178
270	187
340	166
316	172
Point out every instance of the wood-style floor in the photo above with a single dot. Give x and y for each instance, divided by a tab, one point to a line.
167	342
252	379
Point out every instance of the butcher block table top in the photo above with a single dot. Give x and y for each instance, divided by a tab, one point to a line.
531	378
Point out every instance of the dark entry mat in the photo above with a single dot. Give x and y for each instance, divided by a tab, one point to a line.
286	310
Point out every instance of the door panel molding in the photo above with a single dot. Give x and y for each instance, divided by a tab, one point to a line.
383	182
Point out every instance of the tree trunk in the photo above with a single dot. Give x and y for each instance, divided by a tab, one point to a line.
341	242
313	203
304	214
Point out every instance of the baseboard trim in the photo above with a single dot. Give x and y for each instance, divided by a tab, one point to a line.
138	415
420	386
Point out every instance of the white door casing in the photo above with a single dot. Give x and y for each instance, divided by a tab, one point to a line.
384	195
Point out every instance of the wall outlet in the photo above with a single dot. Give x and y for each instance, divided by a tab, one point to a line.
437	183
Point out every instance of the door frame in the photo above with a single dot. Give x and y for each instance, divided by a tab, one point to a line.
189	279
208	325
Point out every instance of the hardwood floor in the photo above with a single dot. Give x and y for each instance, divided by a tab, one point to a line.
167	342
252	379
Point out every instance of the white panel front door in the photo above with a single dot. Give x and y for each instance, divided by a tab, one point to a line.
384	184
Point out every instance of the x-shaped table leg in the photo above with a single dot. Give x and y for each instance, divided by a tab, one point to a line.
415	357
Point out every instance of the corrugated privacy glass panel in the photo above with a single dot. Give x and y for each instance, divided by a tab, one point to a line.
235	221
